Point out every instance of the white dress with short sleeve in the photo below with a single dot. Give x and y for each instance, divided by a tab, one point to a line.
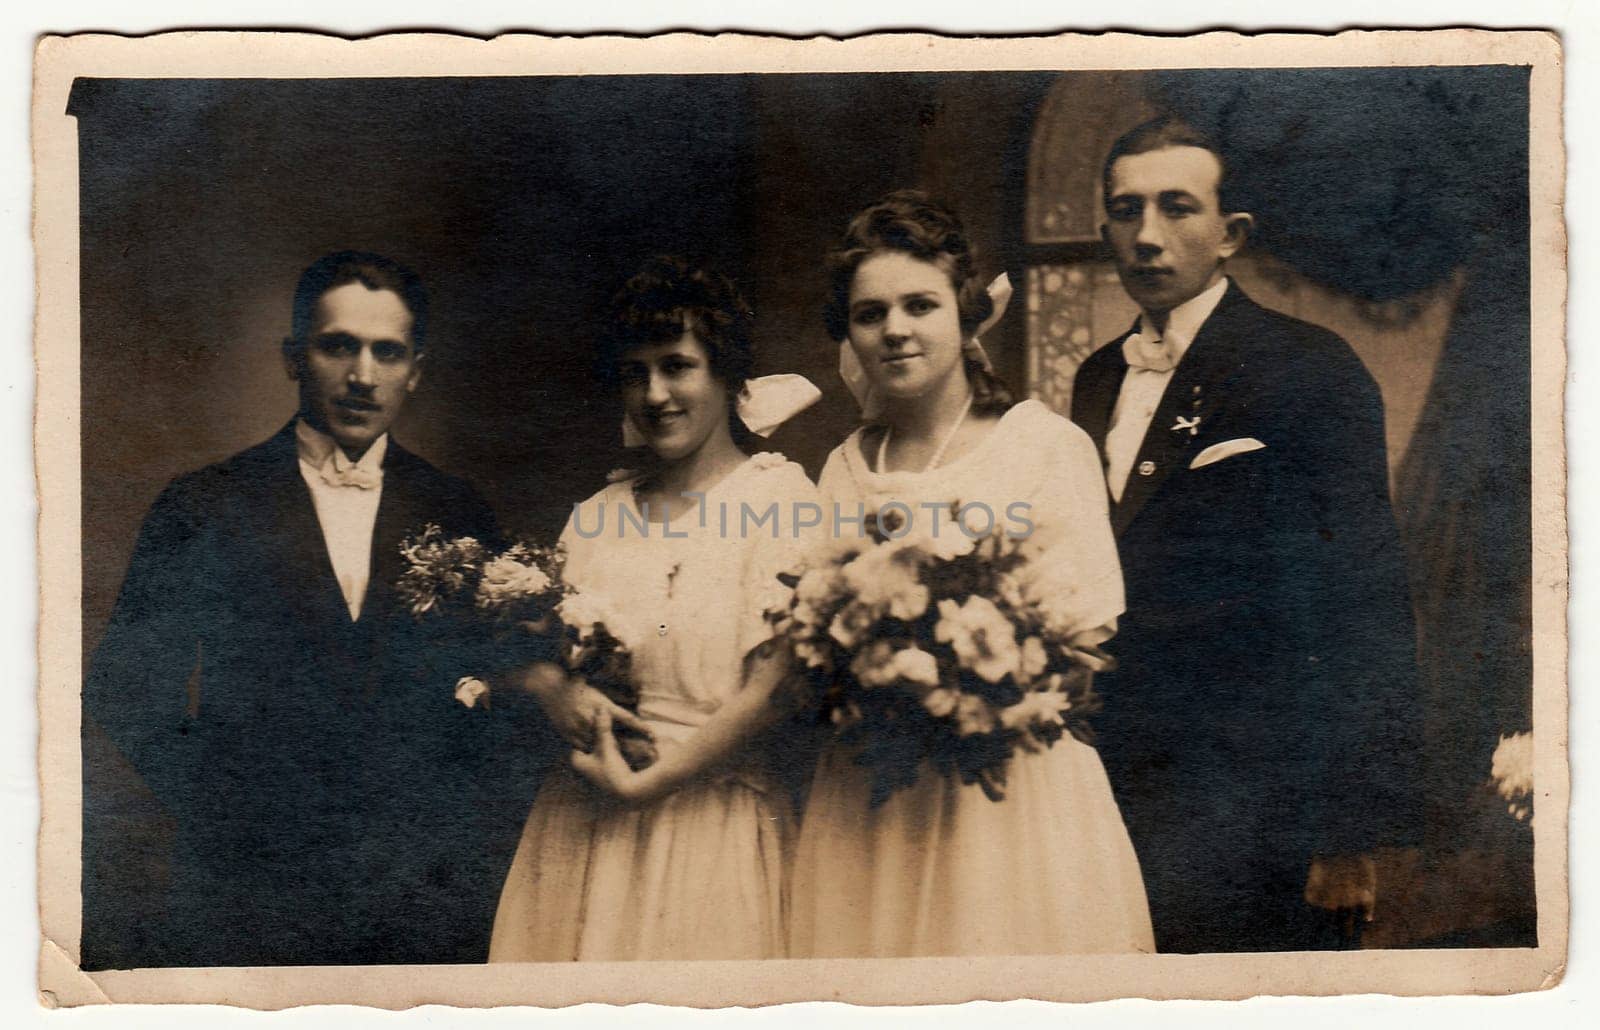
699	873
939	869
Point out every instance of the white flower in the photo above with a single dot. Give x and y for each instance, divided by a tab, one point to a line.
584	612
931	533
814	656
917	666
941	701
973	715
908	599
1009	589
805	615
874	665
1037	708
819	586
469	689
976	521
983	638
879	664
943	538
1031	664
884	581
851	622
1512	766
507	579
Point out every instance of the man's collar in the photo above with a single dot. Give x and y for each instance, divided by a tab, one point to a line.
1185	320
316	448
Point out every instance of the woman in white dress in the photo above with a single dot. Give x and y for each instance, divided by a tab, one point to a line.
683	859
939	868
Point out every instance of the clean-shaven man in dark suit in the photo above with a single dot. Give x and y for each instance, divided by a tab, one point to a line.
334	802
1260	732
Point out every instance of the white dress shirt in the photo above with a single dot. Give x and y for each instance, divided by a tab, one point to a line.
1142	388
346	510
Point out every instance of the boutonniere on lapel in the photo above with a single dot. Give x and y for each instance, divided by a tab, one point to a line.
1190	423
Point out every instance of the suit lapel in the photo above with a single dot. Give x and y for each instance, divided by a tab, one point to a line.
295	536
1167	445
299	538
401	512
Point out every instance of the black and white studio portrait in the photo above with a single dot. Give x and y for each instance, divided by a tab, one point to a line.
805	515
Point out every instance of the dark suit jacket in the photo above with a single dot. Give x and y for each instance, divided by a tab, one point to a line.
1265	708
333	802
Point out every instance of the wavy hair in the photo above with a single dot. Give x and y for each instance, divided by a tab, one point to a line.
911	222
668	297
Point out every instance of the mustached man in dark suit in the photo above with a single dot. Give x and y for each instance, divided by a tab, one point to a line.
1260	733
334	802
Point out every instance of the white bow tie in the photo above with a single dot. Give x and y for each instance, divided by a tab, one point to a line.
337	472
1154	355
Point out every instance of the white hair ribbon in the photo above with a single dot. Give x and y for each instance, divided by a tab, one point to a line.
855	377
764	404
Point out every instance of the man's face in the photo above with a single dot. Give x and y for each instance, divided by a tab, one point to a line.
357	365
1166	227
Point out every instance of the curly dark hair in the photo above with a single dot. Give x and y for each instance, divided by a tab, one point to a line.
668	297
911	222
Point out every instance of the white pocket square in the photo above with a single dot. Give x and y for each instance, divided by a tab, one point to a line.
1226	449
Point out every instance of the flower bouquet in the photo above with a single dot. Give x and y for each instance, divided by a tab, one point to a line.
513	608
943	647
1511	774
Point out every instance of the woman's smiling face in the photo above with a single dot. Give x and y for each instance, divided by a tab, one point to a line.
672	397
905	324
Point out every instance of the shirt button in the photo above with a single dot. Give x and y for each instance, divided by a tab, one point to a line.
1147	468
661	630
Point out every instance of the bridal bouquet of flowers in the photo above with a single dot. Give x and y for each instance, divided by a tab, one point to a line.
513	607
938	645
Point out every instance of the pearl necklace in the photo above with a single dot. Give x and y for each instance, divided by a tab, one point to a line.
938	455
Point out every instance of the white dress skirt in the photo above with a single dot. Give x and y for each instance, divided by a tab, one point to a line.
700	873
939	868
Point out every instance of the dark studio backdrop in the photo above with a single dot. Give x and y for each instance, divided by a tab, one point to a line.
523	202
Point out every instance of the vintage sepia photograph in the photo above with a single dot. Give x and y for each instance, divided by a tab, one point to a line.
538	520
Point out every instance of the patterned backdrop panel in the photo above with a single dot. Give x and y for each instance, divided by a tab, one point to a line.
1075	303
1080	118
1072	309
